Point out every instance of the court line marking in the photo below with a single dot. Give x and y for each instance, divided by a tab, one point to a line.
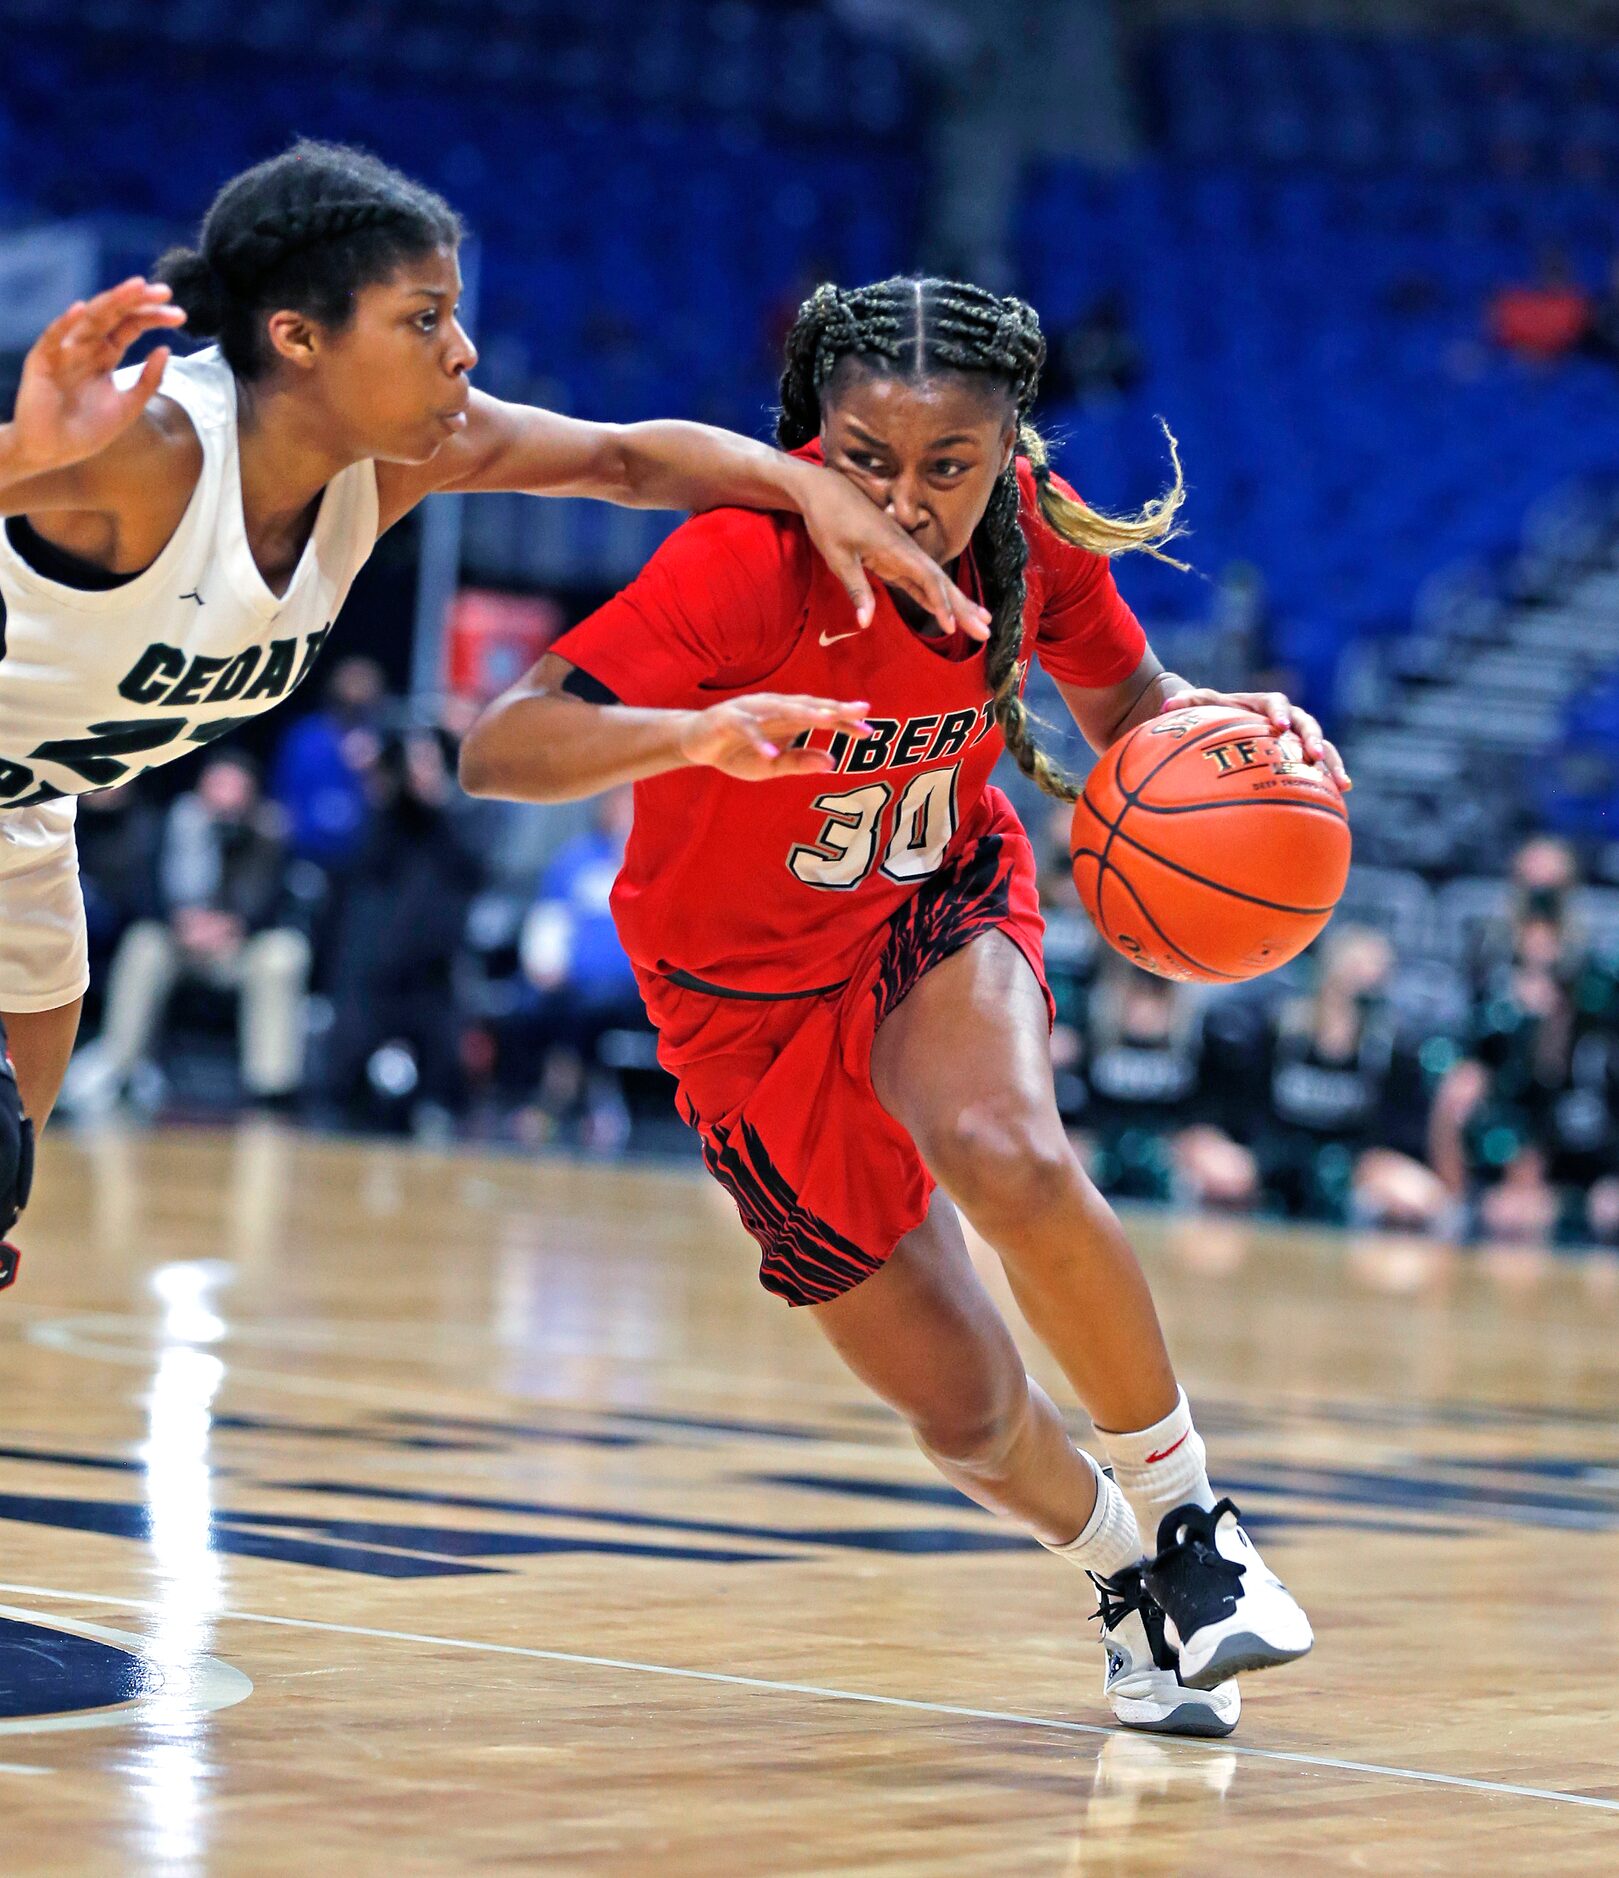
20	1767
1286	1756
213	1684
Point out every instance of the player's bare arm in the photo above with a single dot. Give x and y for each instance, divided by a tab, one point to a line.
99	458
79	443
540	743
669	464
1104	715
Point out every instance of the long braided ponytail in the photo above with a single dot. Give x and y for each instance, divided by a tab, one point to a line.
306	229
915	328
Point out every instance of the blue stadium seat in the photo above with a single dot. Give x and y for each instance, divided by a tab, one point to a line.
1315	333
684	163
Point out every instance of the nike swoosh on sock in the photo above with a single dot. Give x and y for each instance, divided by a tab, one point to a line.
1165	1454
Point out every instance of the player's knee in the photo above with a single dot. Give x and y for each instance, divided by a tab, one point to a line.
1391	1190
999	1162
977	1429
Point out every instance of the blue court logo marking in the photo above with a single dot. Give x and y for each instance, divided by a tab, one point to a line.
58	1673
401	1531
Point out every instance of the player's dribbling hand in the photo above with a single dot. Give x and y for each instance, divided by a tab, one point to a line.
67	406
1284	715
752	738
855	538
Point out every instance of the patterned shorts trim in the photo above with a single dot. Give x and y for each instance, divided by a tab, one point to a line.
780	1093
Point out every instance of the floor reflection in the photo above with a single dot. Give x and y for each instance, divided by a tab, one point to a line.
188	1587
1180	1786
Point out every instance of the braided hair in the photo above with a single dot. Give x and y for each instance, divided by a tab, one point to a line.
307	230
916	328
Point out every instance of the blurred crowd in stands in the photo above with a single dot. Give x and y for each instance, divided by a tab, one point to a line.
351	942
1314	1095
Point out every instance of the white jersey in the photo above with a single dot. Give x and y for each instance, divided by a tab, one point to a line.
97	685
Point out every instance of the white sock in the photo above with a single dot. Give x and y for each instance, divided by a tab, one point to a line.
1110	1540
1160	1467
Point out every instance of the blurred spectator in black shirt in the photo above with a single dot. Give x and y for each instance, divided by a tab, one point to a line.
1326	1098
118	836
1526	1126
1095	359
394	1047
1145	1127
223	921
1544	877
1602	333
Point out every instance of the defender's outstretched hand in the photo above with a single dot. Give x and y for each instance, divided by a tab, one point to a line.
856	539
68	407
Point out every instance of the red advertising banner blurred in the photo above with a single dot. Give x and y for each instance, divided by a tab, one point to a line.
493	638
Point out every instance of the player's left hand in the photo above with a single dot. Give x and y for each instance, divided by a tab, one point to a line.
1283	714
856	539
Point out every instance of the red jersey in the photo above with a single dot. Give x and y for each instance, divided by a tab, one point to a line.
773	888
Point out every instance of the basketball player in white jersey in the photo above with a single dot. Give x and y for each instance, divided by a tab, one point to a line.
180	536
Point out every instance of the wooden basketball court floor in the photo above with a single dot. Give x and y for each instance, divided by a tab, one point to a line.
365	1510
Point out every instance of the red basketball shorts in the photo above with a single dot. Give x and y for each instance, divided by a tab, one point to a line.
780	1091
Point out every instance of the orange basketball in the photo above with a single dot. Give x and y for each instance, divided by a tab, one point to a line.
1206	846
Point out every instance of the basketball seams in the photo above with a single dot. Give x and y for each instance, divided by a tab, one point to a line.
1220	886
1104	866
1252	802
1208	971
1103	870
1194	742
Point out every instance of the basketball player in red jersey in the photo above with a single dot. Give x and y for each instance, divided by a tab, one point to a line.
834	921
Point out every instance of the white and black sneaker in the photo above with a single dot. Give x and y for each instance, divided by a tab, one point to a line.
1226	1611
1141	1682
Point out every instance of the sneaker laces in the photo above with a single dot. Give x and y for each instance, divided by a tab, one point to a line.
1118	1596
1124	1594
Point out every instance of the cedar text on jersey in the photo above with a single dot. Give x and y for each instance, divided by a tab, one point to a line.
163	676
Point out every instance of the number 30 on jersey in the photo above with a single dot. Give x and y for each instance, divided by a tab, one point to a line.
852	836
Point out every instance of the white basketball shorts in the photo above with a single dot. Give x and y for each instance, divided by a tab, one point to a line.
44	960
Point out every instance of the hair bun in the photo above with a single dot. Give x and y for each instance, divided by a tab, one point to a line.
197	288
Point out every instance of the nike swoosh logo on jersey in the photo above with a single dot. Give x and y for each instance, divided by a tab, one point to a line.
831	639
